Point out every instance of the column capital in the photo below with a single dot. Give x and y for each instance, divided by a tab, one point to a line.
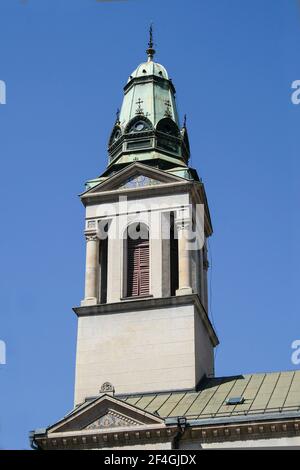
91	236
183	224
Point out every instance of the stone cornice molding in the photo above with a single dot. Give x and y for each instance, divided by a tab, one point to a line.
142	191
93	439
243	431
282	427
149	303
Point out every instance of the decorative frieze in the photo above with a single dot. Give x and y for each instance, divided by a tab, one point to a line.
112	420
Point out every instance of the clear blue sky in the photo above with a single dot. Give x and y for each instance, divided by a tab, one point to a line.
65	64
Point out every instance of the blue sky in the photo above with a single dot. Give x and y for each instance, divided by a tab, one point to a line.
65	64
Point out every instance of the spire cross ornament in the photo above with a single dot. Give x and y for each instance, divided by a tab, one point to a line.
139	108
168	108
118	116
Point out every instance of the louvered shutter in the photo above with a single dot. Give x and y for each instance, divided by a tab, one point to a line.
138	267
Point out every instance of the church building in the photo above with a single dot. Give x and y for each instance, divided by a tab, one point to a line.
145	374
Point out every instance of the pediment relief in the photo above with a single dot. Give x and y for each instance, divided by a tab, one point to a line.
112	419
138	181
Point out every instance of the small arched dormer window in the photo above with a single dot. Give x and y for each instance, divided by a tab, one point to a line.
139	123
168	126
115	135
138	260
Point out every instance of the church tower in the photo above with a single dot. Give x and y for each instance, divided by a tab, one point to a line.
145	344
143	325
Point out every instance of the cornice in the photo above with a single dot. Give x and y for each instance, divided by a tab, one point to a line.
253	427
149	79
150	303
143	192
113	437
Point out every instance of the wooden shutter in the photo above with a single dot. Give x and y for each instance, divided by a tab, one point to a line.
138	267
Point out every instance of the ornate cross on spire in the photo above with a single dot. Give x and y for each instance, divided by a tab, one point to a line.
139	109
150	51
168	108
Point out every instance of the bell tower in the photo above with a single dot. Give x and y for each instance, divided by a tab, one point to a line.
143	325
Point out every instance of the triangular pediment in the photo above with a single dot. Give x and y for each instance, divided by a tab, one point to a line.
105	412
134	176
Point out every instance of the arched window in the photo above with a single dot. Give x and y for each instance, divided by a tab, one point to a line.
168	126
138	261
139	123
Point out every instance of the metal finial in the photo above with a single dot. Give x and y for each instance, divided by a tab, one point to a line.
150	51
118	116
184	121
150	43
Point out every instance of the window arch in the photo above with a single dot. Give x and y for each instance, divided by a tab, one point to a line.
138	260
139	123
115	135
168	126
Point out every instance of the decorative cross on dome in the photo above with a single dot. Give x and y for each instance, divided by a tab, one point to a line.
168	108
139	108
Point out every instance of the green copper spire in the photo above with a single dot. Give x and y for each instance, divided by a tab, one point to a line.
147	128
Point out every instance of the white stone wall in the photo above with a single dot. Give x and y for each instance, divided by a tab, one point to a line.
204	351
139	351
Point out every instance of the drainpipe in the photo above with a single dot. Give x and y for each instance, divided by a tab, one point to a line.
33	444
32	434
182	425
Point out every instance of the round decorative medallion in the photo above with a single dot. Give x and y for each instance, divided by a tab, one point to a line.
139	126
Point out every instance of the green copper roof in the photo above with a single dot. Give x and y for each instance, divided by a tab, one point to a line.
150	93
149	68
262	394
